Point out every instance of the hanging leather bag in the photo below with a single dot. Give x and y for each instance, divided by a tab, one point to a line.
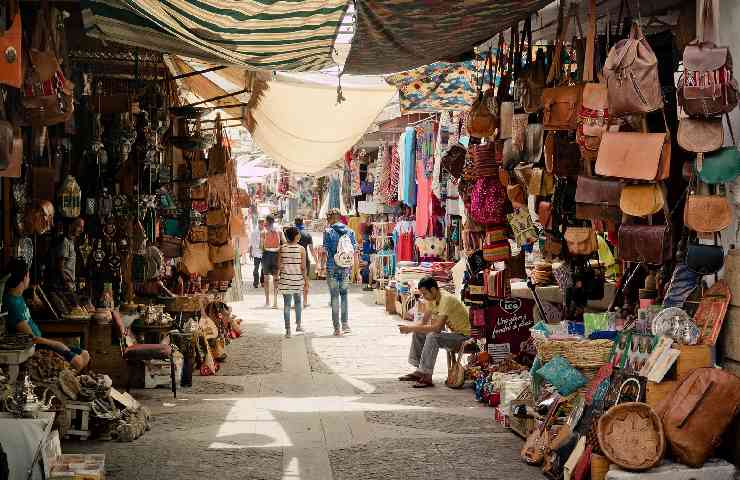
562	154
649	244
598	198
581	240
221	253
11	53
222	272
219	155
218	235
561	103
719	166
635	155
705	259
198	234
698	412
707	86
195	258
532	80
170	246
700	135
216	217
642	200
482	123
631	74
707	213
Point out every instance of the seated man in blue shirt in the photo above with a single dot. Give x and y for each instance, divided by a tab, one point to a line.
19	318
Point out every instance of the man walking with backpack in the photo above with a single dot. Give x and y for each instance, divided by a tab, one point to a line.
339	243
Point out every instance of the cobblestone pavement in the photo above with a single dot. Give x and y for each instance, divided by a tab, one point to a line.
315	407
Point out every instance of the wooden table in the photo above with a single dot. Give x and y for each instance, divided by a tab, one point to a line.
151	333
67	327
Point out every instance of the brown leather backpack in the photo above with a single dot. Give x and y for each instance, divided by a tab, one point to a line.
631	74
697	413
707	87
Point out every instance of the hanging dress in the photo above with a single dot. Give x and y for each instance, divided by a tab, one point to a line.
409	167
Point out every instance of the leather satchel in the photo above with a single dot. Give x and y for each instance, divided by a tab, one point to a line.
581	240
634	155
721	166
561	106
705	259
707	86
562	155
698	412
222	272
481	122
642	200
649	244
195	258
631	74
700	135
219	235
198	234
216	217
11	72
598	198
221	253
170	246
707	213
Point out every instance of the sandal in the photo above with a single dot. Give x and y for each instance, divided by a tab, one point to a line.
411	377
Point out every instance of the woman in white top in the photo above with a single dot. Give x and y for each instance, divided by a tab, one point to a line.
292	276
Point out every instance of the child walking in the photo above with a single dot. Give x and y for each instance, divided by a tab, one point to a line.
292	276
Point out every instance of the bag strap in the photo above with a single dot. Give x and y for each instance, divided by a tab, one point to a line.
588	64
556	66
708	32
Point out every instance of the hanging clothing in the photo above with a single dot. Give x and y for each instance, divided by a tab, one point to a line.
441	146
401	166
334	192
380	169
355	174
394	175
423	201
408	162
403	237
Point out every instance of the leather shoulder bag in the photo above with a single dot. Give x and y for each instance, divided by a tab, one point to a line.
631	74
11	72
594	112
720	166
481	121
707	86
705	259
598	198
562	155
649	244
707	213
581	240
635	155
700	135
642	200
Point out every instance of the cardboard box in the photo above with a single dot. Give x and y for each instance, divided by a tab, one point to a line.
693	357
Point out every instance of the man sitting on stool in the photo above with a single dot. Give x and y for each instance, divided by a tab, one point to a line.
444	310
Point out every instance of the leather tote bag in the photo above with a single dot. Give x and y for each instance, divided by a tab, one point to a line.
642	200
11	72
707	86
649	244
698	412
631	74
598	199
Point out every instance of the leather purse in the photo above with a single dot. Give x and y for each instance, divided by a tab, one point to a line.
700	135
199	192
216	217
634	155
562	155
705	259
649	244
195	258
170	246
198	234
581	240
598	198
11	72
561	106
481	123
218	235
707	213
698	412
221	253
707	87
642	200
631	75
222	272
721	166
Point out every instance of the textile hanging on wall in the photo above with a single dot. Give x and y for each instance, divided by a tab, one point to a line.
397	35
267	35
436	87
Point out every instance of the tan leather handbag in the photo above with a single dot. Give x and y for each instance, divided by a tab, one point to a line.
11	72
635	155
631	74
198	234
221	253
481	122
561	106
707	213
216	217
195	258
581	240
700	135
642	200
218	235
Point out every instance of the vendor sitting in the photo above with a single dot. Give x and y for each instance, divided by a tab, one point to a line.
19	318
442	310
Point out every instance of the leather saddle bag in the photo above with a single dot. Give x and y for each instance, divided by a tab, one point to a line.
481	122
649	244
216	217
221	253
222	272
561	106
562	154
707	213
705	259
720	166
218	235
581	240
195	258
634	155
700	135
698	412
598	198
642	200
11	72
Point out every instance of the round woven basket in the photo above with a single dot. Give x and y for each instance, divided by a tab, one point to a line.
631	436
579	353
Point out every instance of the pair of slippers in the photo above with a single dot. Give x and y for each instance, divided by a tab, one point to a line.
412	377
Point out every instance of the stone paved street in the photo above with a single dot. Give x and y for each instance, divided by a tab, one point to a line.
316	407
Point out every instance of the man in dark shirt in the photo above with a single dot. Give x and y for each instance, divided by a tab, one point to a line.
306	241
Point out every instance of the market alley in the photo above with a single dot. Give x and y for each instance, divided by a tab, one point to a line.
316	407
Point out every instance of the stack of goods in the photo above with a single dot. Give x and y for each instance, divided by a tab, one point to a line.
87	466
542	273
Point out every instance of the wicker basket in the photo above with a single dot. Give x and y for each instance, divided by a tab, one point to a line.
579	353
631	436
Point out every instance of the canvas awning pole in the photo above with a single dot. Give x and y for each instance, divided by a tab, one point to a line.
220	97
199	72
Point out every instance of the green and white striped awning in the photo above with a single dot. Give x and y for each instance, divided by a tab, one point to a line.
287	35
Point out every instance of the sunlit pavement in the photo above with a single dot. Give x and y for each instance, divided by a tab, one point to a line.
316	407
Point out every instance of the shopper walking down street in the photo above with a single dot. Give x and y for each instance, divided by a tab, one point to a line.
339	243
306	241
255	251
292	276
442	310
271	239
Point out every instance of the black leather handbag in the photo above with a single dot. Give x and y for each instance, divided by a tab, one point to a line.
705	259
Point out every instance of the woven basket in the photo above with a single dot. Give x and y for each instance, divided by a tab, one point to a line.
631	436
579	353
